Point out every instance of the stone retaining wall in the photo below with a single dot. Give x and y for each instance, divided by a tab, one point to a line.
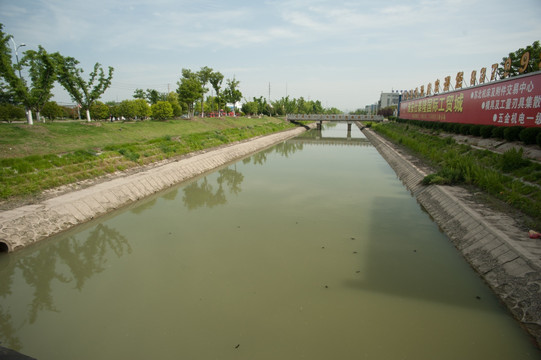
500	252
28	224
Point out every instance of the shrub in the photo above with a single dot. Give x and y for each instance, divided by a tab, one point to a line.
538	139
485	131
475	130
511	133
497	132
529	135
434	179
464	129
512	159
161	110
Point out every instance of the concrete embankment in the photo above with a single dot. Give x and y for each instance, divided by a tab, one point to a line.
491	241
26	225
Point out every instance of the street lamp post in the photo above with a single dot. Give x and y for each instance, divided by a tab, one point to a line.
26	110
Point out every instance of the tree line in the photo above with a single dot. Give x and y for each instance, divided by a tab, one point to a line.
44	69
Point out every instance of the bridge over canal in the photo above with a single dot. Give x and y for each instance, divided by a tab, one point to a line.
349	141
336	117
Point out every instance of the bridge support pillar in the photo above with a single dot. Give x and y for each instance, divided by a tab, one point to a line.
319	125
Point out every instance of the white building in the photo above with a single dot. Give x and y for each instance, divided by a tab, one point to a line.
388	99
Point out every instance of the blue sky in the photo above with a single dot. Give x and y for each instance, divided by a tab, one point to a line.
343	53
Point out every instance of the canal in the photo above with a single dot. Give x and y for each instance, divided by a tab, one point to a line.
312	249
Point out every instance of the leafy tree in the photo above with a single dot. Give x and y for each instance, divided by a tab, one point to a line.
172	98
204	75
333	110
529	63
262	106
142	109
83	92
250	107
139	94
42	73
9	112
231	93
162	110
387	111
51	110
215	80
127	109
285	106
12	85
99	110
153	96
113	108
41	70
7	96
189	90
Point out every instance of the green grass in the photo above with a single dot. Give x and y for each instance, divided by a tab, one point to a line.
37	158
508	176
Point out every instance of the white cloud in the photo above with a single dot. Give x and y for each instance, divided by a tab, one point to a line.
310	44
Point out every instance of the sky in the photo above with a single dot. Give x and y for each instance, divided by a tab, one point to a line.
342	53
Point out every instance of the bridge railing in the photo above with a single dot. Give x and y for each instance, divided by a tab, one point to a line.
336	117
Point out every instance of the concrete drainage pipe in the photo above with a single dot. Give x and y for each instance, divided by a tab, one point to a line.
4	247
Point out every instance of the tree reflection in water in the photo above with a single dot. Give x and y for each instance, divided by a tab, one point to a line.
68	261
75	261
202	193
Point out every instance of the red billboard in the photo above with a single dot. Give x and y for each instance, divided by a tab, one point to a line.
514	101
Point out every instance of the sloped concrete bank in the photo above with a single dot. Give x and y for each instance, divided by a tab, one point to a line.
26	225
492	242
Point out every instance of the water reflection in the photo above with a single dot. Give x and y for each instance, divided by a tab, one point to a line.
321	137
203	193
70	261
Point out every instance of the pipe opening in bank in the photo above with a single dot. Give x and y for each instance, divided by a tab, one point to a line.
4	248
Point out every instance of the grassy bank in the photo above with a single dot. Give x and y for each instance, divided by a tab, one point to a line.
43	156
508	177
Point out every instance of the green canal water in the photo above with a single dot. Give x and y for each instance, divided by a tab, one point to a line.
312	249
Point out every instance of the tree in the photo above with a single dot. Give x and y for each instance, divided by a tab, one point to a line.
387	111
52	110
83	92
262	106
42	73
127	109
153	96
162	110
41	69
215	80
519	62
204	75
250	107
13	85
139	94
142	109
99	110
231	93
9	112
7	96
189	90
172	98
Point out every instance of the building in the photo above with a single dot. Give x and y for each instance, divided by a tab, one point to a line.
371	109
388	99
